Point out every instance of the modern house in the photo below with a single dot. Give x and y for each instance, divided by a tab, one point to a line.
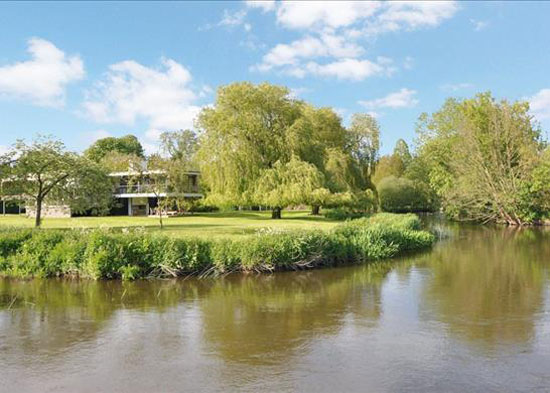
134	194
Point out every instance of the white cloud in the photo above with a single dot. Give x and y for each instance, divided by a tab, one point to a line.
479	24
323	14
42	79
350	69
333	30
403	98
264	5
326	45
453	87
408	64
540	104
130	92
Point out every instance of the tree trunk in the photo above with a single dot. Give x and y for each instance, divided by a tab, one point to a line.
38	213
276	213
315	210
159	207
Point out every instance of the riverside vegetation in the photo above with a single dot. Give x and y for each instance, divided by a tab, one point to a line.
108	253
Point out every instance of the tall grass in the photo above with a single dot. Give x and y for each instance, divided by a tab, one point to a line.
108	254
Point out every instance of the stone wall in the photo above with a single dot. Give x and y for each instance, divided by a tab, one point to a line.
54	211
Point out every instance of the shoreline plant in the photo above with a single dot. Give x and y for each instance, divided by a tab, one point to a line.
110	254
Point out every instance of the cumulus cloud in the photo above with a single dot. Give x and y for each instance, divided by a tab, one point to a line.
130	91
322	14
44	78
333	31
404	98
540	104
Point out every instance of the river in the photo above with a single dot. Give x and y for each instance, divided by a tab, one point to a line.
472	314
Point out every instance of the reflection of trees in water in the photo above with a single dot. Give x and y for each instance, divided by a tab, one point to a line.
264	319
242	316
487	284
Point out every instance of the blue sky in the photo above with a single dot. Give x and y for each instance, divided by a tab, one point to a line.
80	71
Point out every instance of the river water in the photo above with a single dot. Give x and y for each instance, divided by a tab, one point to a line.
472	314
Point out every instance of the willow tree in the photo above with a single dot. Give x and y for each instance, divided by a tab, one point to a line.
319	138
243	135
290	183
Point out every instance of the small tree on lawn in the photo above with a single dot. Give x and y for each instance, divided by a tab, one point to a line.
45	170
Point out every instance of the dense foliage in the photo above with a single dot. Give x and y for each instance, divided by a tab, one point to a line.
260	146
130	255
45	172
128	144
400	195
485	160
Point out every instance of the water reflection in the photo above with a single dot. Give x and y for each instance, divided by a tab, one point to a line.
488	285
478	297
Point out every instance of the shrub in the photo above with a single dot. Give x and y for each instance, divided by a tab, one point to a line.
342	214
399	195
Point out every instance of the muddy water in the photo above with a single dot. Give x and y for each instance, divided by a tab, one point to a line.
473	314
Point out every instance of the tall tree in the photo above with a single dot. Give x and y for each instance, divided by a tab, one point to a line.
44	170
402	151
128	144
365	145
481	154
243	135
180	145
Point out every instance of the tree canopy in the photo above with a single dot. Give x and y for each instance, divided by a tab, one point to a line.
482	155
44	170
128	144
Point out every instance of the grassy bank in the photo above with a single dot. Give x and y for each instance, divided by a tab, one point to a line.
131	254
205	225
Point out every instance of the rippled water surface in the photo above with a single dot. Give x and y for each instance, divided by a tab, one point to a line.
473	314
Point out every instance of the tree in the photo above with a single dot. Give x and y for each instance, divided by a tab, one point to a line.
402	195
180	145
128	144
290	183
319	138
44	170
481	153
388	165
401	150
365	145
244	135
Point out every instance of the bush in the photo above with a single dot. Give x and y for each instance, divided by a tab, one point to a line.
342	214
110	254
400	195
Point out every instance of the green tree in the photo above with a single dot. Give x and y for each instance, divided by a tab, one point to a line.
319	138
44	170
402	151
128	144
290	183
243	135
481	153
365	145
180	145
400	195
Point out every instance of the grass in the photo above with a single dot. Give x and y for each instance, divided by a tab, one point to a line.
204	225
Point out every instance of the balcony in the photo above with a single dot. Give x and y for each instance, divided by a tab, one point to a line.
147	189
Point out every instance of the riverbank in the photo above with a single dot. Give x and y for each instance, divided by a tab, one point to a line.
133	254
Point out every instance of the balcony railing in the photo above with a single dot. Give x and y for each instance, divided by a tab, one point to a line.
147	189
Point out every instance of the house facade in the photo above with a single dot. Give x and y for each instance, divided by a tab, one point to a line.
136	196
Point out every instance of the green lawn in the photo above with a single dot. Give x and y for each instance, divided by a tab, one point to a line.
223	224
